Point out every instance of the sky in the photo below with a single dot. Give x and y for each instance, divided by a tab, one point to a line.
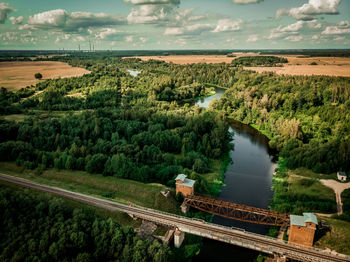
174	24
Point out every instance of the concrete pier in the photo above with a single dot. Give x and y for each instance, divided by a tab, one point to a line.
179	237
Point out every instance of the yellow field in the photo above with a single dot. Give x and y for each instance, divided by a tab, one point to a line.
297	65
15	75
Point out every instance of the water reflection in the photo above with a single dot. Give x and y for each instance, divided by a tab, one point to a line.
248	181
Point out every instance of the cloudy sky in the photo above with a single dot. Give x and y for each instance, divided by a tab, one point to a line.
174	24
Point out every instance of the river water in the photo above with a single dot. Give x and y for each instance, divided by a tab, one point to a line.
248	181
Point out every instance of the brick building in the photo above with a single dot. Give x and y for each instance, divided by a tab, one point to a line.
184	185
302	229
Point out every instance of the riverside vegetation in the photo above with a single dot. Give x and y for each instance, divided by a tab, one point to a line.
142	128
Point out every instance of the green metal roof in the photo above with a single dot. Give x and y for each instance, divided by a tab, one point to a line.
188	182
309	217
181	177
301	220
297	220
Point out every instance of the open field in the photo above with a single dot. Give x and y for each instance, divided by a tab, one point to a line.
297	65
190	59
15	75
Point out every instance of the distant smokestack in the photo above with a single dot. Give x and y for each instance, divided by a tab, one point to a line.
90	45
79	47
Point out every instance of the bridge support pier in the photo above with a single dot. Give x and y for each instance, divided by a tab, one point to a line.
179	237
184	208
279	258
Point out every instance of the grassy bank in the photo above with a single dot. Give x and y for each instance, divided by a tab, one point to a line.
338	238
122	218
295	193
117	189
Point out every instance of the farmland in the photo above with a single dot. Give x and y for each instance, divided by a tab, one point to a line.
16	75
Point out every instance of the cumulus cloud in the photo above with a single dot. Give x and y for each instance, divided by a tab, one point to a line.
225	25
308	10
252	38
282	31
16	21
195	29
129	38
5	9
69	22
107	33
153	2
143	39
339	29
244	2
294	38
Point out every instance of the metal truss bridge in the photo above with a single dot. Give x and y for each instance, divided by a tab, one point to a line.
237	211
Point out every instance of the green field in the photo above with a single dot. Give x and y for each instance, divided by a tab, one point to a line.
117	189
338	238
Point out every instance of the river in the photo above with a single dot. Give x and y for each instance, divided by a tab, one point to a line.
248	181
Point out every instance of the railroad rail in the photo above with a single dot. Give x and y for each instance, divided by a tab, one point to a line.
193	226
237	211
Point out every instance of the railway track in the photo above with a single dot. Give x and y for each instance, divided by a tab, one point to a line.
193	226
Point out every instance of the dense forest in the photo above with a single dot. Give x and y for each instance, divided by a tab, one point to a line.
36	227
259	61
130	127
306	117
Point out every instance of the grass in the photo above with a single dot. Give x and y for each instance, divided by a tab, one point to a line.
310	174
122	218
301	186
338	238
14	117
160	231
117	189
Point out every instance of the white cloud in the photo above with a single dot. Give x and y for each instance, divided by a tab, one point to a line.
143	39
107	33
129	38
195	29
315	37
341	28
243	2
282	31
62	20
5	9
339	38
16	21
225	25
308	10
150	14
152	2
294	38
253	38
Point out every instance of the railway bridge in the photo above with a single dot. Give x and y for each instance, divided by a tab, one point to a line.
187	225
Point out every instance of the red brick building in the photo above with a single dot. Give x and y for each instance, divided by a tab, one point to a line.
184	185
302	229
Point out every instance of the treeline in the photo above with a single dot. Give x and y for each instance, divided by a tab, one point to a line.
306	117
145	145
259	61
36	227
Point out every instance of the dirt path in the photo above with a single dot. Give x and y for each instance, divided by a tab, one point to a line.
338	188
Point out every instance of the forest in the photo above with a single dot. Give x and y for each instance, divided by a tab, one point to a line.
36	227
118	125
259	61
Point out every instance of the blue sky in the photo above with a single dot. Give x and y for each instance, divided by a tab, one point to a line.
175	24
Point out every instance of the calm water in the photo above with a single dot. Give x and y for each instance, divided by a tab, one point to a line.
248	181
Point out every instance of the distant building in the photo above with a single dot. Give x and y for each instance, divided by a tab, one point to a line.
341	176
302	229
184	185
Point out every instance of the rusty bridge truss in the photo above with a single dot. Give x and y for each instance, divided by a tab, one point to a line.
237	211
